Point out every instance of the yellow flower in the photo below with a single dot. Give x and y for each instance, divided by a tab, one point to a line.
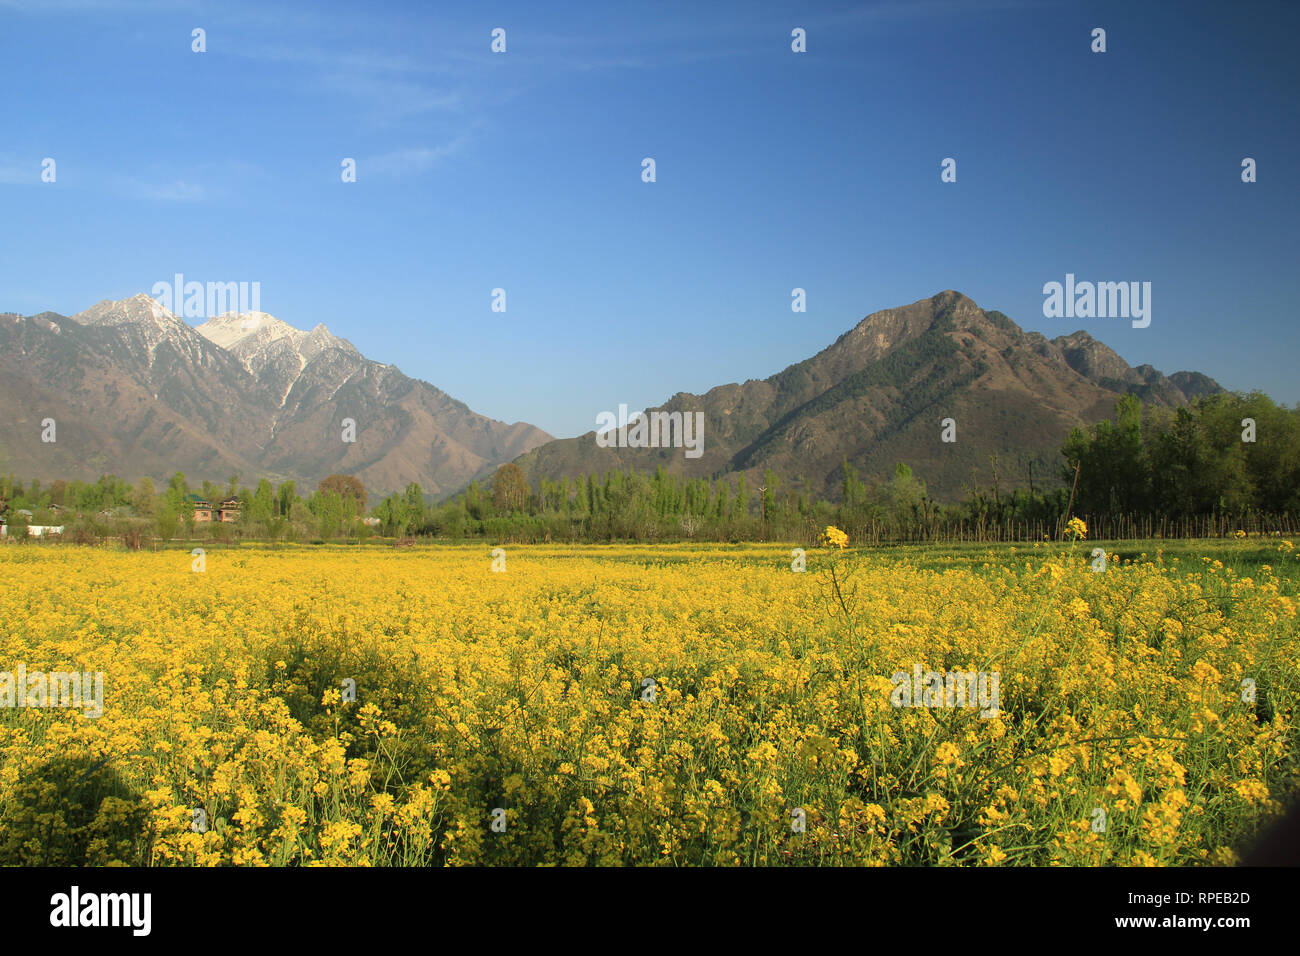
833	537
1252	791
525	691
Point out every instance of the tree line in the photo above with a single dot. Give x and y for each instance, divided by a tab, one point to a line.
1224	460
1227	459
110	508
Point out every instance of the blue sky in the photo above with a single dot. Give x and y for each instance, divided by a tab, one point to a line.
774	170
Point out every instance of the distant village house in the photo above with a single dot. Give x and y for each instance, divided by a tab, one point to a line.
202	508
227	510
35	530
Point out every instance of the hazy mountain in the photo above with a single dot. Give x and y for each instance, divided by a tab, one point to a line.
134	390
878	395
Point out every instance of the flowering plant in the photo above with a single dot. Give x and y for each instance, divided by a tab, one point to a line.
833	537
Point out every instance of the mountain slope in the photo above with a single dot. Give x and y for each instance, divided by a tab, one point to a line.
135	390
878	394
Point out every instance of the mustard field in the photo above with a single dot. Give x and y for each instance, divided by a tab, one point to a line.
665	705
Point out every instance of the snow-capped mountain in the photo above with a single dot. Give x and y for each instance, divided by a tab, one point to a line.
256	337
143	323
279	355
139	391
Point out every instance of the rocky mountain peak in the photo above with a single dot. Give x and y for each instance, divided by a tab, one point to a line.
251	336
136	310
242	392
878	394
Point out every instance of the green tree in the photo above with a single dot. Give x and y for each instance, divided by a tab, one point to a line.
770	485
509	489
416	511
393	516
144	497
1112	464
260	509
905	492
186	511
17	526
346	486
327	507
1181	463
474	505
285	496
167	521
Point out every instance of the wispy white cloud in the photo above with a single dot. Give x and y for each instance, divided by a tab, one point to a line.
19	172
385	88
406	162
391	99
356	61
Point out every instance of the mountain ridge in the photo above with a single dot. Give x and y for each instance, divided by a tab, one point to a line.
878	394
139	391
143	391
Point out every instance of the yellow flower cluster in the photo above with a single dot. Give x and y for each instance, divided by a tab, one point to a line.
1076	528
833	537
666	705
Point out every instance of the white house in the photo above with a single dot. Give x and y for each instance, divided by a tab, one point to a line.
36	530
